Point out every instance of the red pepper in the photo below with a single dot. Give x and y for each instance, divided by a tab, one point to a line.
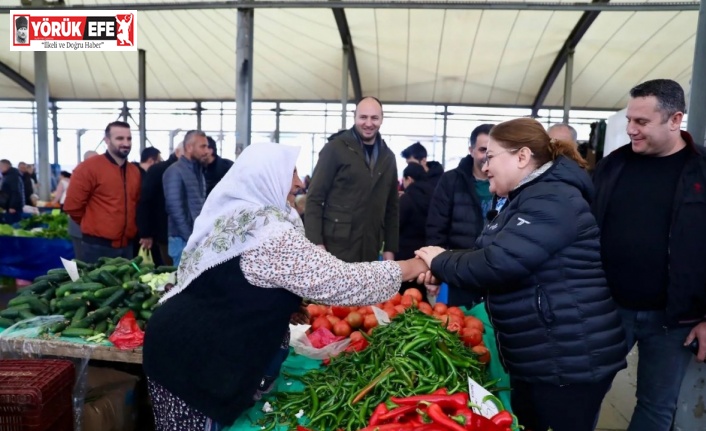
438	416
379	410
504	418
440	391
464	416
389	427
456	401
301	428
397	414
429	427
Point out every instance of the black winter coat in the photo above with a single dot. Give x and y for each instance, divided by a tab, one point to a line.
13	190
436	170
539	263
151	210
215	172
456	219
686	292
414	208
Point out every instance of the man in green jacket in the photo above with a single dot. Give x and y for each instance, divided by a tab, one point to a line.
352	205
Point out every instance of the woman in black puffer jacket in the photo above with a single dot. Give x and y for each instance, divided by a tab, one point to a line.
539	265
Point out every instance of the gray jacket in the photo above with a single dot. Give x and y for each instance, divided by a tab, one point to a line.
184	195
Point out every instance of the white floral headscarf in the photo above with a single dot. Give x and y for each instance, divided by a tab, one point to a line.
246	208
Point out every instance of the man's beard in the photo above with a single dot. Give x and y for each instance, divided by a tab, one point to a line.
21	39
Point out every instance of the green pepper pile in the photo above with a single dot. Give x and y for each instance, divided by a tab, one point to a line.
412	355
91	305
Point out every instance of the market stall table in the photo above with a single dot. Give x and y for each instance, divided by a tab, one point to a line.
68	349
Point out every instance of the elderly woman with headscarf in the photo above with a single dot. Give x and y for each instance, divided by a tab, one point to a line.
243	273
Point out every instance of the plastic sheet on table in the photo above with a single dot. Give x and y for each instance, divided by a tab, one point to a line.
28	331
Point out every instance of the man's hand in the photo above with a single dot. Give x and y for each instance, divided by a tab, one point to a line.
430	282
146	243
388	255
11	211
301	317
699	332
428	254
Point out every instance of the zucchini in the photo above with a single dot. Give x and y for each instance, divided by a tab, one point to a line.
106	292
6	323
77	332
108	279
114	299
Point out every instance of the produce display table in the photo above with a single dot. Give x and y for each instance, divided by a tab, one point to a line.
27	258
68	349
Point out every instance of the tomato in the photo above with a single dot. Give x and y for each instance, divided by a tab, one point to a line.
354	319
455	319
456	311
425	308
454	327
395	300
443	318
472	337
440	308
340	312
390	311
365	310
356	336
342	329
314	311
408	301
473	322
414	293
333	319
370	322
321	322
483	354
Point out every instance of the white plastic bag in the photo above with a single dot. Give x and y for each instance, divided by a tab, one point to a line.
301	344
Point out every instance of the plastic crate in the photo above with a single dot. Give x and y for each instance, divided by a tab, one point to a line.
36	395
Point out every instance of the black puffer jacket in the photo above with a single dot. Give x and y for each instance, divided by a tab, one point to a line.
436	170
540	264
414	208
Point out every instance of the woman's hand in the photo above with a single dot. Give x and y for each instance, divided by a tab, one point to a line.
301	317
430	282
427	254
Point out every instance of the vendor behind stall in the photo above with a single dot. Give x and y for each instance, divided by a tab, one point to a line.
243	273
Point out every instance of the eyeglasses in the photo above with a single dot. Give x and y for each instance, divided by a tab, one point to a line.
486	161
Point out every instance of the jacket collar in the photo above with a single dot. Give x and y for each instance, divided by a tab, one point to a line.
113	161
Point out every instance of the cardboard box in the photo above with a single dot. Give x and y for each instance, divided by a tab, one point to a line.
110	401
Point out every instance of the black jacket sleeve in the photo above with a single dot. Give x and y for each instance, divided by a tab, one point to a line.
151	188
543	224
440	211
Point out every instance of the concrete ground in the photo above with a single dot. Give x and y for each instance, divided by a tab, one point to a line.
620	401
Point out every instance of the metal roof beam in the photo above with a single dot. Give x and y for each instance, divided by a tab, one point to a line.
17	78
347	41
387	4
582	26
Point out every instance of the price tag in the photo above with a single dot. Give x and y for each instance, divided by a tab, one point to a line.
480	398
71	268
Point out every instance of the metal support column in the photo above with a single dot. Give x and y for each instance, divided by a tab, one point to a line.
41	96
568	84
278	110
142	94
125	112
344	87
243	80
697	107
79	155
198	110
55	131
443	136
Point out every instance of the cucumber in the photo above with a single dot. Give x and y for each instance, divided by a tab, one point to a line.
49	294
26	314
10	313
118	314
38	306
57	327
101	327
108	279
127	277
58	271
114	299
6	323
107	292
67	289
131	284
98	315
71	303
146	314
19	300
79	315
55	278
81	264
38	287
137	260
138	297
165	268
77	332
150	303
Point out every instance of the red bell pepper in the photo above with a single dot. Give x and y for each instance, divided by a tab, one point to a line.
456	401
438	416
504	418
379	410
389	427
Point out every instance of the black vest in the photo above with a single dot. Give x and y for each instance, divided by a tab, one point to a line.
210	344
